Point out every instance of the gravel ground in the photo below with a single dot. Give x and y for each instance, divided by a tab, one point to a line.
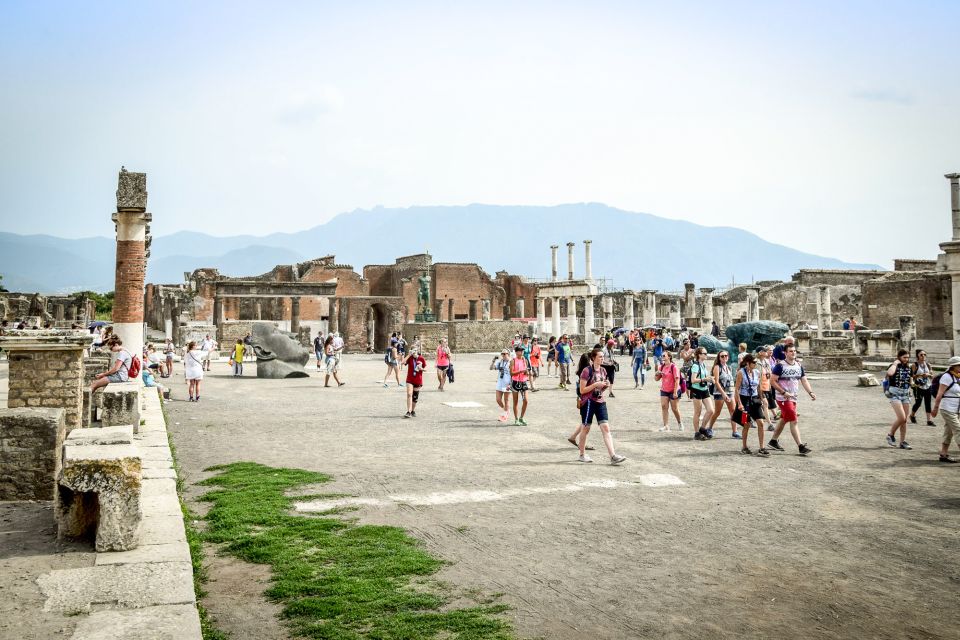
854	540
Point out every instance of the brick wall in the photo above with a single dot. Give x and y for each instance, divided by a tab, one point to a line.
469	337
926	298
130	273
51	379
30	445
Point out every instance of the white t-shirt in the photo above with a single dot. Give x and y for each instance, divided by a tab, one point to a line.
206	345
193	364
950	402
153	357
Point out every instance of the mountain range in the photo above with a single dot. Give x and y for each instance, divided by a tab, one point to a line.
633	250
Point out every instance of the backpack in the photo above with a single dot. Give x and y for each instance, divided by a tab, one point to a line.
593	373
386	355
134	371
450	372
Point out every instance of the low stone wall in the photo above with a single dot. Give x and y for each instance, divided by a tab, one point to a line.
30	445
233	330
938	351
849	362
429	332
468	337
120	402
195	332
48	379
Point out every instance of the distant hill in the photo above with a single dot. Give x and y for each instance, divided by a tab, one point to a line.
635	250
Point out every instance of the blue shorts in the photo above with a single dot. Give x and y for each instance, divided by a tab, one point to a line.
591	409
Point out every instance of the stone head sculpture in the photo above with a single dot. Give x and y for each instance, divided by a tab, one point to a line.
279	353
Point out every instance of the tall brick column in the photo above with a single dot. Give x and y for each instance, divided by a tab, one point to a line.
132	223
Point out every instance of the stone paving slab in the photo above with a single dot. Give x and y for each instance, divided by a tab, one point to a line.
156	453
157	487
156	464
154	472
101	435
161	529
160	505
173	622
145	553
120	585
152	439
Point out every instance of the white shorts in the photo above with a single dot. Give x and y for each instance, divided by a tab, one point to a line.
503	386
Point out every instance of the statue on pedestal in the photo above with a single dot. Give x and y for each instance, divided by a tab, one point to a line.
424	308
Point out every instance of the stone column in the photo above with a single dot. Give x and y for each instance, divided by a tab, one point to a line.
573	327
58	313
570	246
588	320
954	179
753	304
217	310
450	315
719	313
438	310
46	370
333	315
521	310
824	312
175	322
541	316
132	225
690	305
486	309
628	311
294	314
555	316
674	314
258	310
707	314
473	310
553	261
607	304
649	307
588	260
908	333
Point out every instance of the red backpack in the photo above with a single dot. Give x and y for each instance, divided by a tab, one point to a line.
134	372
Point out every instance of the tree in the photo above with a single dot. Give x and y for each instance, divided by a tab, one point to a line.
2	288
104	302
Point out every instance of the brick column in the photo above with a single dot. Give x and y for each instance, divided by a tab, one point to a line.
46	370
131	220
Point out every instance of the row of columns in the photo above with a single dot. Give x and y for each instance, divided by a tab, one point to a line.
588	261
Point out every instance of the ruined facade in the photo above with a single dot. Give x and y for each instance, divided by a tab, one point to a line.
61	310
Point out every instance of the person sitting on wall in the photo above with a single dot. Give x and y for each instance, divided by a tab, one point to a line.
120	371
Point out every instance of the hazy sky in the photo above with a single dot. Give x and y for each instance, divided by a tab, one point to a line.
827	126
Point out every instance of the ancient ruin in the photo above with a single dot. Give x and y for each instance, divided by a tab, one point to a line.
279	354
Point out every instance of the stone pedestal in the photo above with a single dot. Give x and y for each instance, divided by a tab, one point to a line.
824	311
46	370
29	464
120	402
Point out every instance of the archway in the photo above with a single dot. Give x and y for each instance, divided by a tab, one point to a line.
378	326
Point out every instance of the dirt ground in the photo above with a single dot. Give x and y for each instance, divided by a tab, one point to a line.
855	540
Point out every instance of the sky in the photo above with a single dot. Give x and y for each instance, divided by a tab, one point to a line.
822	125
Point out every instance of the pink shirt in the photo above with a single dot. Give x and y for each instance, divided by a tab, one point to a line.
668	377
442	358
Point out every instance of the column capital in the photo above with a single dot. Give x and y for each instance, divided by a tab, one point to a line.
952	176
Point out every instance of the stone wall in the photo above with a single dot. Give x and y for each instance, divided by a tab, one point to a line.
233	330
195	332
469	337
924	296
30	445
901	264
429	332
793	304
50	379
813	277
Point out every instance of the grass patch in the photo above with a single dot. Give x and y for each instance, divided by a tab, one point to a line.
336	580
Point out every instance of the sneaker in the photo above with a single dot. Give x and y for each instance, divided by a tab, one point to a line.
913	419
406	415
617	458
680	426
773	444
699	436
584	458
770	427
746	451
948	459
891	440
516	422
523	422
736	436
664	428
931	423
763	451
905	445
804	449
708	433
502	418
384	385
611	395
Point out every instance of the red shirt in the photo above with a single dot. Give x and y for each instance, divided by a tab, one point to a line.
414	372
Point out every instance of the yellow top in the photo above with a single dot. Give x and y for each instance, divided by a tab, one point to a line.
238	353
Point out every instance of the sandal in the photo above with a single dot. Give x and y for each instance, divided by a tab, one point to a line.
574	443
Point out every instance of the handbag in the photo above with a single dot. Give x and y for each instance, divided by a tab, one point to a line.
450	372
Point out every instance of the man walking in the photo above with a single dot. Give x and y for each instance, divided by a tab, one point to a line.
563	360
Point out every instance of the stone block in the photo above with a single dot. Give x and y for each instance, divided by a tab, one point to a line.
867	380
121	404
30	441
833	363
99	490
132	191
102	435
122	585
169	622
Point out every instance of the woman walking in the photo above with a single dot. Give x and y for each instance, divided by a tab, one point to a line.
168	350
669	376
330	360
581	365
443	361
593	387
193	370
639	359
552	355
392	359
415	366
899	375
610	365
948	398
723	392
923	390
700	380
518	384
502	366
749	402
318	350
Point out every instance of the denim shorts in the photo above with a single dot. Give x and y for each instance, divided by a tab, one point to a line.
901	395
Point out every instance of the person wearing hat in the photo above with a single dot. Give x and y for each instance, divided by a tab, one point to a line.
518	384
948	397
502	366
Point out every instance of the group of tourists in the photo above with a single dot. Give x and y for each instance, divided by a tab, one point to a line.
329	352
399	354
